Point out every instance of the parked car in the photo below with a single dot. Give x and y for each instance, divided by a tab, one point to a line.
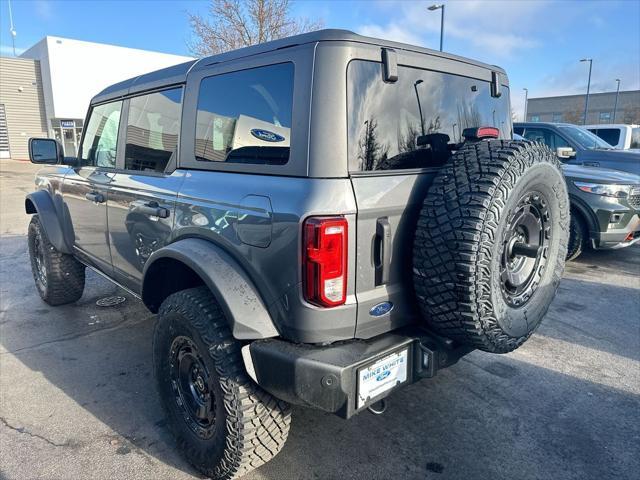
579	146
620	136
605	207
307	231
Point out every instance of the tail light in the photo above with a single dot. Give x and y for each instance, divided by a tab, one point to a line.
325	252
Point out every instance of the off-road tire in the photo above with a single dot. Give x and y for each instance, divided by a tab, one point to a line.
61	279
578	236
250	426
458	247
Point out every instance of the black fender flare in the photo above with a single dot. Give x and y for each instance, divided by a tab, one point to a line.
40	202
247	314
589	216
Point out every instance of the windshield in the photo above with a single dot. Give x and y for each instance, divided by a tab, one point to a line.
584	137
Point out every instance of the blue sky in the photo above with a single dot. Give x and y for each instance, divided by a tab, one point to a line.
539	43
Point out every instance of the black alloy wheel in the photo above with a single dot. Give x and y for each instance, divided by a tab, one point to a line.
192	387
525	241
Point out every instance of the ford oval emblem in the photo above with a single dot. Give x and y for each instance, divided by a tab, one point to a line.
383	375
266	135
381	309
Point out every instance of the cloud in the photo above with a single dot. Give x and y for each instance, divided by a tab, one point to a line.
391	32
503	28
572	79
44	9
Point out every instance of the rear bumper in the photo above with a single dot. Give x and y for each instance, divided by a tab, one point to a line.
326	377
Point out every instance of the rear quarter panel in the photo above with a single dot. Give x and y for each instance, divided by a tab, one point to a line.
214	205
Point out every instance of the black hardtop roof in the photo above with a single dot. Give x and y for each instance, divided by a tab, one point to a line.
178	73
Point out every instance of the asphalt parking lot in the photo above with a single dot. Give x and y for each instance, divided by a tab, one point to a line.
77	400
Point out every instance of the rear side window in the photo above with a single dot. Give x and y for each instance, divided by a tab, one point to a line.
386	119
245	116
152	130
635	138
609	135
101	136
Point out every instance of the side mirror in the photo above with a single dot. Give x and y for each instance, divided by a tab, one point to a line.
565	152
46	151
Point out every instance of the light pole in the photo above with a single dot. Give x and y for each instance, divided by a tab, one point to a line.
12	30
439	6
586	101
615	106
526	96
415	86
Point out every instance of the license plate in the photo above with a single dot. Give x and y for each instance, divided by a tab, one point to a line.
382	376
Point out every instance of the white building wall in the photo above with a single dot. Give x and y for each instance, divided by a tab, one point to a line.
73	71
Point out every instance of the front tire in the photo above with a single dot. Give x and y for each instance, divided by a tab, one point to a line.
491	242
59	277
224	424
578	237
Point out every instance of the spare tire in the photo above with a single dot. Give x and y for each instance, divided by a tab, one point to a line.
491	242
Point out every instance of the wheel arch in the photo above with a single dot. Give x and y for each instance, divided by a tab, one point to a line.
192	262
41	203
585	213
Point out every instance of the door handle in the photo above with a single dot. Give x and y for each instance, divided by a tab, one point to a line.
592	164
382	251
95	197
153	209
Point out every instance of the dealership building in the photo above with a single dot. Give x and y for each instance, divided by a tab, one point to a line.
46	90
570	108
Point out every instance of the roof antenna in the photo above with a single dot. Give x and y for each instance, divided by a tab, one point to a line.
12	30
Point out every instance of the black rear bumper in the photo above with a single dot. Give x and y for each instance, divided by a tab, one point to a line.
326	377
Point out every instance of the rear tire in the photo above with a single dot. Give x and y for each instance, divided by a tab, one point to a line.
578	237
489	202
224	424
59	277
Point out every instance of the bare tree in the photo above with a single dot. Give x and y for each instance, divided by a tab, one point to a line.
234	24
371	151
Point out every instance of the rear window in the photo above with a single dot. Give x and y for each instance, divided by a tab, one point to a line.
386	119
245	116
609	135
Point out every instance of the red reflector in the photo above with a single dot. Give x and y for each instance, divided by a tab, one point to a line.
480	132
325	260
488	132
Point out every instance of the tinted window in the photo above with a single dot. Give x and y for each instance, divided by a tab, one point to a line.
101	136
545	136
152	130
245	117
584	137
609	135
386	119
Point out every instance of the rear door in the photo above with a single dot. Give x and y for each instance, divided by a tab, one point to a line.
144	188
391	174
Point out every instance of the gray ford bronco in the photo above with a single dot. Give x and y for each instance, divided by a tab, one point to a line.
317	221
